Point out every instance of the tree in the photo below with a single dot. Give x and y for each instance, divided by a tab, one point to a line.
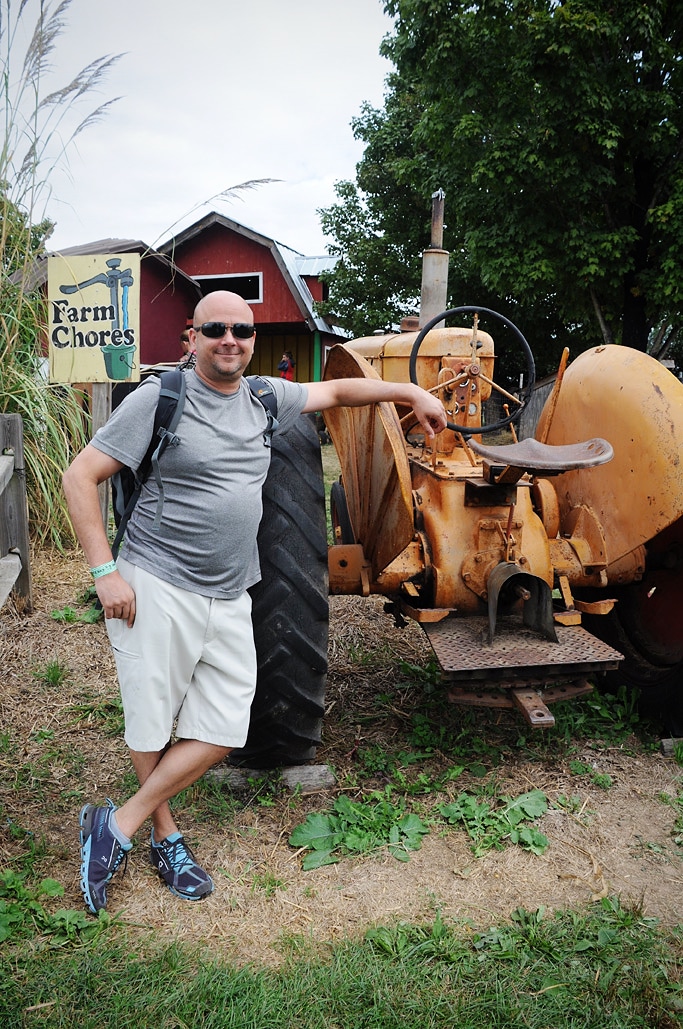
555	130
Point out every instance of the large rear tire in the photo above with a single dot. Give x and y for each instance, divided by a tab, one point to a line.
646	625
290	606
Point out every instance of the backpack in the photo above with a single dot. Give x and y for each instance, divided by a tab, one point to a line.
127	484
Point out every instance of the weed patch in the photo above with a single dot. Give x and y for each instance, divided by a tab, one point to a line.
23	916
492	824
354	827
105	712
54	673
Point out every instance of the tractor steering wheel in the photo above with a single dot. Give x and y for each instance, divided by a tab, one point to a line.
473	371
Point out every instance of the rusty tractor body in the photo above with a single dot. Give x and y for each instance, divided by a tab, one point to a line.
533	566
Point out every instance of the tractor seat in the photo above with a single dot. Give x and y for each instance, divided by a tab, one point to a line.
531	456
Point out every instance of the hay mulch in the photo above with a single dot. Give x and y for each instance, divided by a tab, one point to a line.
57	753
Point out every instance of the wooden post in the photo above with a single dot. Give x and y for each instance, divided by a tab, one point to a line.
101	409
14	536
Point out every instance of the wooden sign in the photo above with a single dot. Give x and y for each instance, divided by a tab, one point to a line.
94	318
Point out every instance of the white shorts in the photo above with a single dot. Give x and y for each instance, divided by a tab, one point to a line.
188	660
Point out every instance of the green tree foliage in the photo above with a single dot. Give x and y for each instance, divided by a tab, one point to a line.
555	130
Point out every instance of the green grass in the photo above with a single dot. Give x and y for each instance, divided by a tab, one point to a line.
331	472
105	712
608	968
54	673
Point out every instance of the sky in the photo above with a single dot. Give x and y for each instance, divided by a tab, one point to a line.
214	93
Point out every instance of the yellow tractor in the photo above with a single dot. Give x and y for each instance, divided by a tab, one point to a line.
535	566
532	565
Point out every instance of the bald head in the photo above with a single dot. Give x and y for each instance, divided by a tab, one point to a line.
222	305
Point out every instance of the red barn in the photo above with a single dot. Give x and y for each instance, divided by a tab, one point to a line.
280	284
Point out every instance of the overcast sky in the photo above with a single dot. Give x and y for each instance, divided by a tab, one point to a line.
215	93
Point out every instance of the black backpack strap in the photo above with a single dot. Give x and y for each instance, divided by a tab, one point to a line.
171	402
124	515
166	417
265	394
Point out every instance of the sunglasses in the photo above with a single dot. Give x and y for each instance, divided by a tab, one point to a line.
214	330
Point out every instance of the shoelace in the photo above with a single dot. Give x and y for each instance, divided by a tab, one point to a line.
123	856
180	857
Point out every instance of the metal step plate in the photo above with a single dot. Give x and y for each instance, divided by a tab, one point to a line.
517	653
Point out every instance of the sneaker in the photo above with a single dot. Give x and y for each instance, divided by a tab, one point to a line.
101	854
175	863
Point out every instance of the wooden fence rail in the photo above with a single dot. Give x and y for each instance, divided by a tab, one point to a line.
15	563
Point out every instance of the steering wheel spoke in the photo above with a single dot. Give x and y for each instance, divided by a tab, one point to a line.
499	389
472	373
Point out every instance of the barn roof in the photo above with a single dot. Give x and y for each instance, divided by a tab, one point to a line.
36	275
292	265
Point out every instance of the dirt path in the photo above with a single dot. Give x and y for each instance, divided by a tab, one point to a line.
55	754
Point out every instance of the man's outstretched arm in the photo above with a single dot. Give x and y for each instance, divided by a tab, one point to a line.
359	392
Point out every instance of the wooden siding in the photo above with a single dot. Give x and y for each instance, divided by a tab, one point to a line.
166	302
270	348
319	290
220	251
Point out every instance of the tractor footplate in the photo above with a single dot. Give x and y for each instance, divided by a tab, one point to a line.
517	654
532	702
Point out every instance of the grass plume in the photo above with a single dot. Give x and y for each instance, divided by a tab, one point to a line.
39	124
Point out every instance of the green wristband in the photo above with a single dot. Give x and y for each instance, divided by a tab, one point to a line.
103	569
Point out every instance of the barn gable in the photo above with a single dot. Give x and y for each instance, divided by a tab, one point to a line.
280	284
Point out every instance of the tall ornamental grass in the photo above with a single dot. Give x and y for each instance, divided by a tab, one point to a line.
39	124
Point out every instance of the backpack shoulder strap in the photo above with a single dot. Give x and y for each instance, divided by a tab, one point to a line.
169	410
265	394
166	417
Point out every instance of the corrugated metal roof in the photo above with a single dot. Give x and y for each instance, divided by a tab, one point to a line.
316	265
104	246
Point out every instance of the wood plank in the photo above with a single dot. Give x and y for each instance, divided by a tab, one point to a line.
14	534
101	409
10	569
304	778
6	469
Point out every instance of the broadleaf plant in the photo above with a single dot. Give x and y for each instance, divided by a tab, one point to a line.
492	823
352	827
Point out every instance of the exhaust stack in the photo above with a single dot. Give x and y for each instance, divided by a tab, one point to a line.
434	295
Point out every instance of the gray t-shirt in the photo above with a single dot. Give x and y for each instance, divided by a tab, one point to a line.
212	483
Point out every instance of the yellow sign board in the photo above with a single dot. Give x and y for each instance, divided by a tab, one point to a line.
94	318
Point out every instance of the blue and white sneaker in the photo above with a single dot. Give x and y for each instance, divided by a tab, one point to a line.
175	863
101	854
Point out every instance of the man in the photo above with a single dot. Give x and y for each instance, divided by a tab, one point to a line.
176	607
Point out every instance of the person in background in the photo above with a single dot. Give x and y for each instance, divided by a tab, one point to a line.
286	366
189	356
